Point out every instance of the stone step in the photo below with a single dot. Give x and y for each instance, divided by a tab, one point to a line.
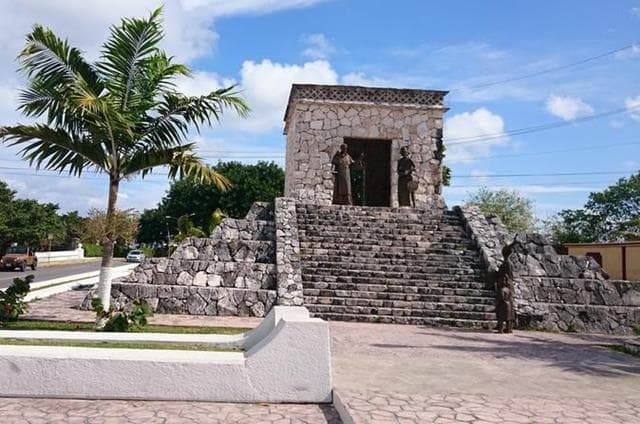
308	207
243	275
373	245
262	251
383	284
384	255
390	319
411	260
431	289
422	274
195	300
384	234
314	295
410	304
244	229
424	267
304	220
404	311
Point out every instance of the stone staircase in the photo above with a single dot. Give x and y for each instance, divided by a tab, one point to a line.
392	265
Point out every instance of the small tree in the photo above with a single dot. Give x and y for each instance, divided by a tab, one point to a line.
121	116
124	225
514	210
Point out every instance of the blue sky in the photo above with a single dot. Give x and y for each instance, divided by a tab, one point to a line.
264	46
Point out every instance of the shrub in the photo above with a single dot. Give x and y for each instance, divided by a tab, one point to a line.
92	250
12	303
148	252
122	321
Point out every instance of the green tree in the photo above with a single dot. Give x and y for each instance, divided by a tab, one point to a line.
251	183
121	116
31	223
610	215
73	224
514	210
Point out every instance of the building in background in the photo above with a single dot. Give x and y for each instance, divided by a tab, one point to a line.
620	260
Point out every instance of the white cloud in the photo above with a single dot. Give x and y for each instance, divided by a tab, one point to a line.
241	7
460	131
201	83
568	108
266	87
633	107
635	11
318	46
361	79
190	34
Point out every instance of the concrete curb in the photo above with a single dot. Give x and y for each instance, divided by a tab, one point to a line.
44	289
341	409
291	363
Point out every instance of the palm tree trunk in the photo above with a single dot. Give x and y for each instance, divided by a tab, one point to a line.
106	269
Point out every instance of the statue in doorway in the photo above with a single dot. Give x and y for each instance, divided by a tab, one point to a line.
341	164
407	184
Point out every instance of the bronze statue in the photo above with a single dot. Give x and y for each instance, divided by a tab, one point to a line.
407	185
341	163
504	307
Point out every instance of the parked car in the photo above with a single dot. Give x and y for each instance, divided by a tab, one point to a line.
135	256
19	257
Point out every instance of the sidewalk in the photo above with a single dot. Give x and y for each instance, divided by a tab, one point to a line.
413	374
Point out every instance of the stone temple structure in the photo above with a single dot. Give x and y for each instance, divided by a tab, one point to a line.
373	122
373	260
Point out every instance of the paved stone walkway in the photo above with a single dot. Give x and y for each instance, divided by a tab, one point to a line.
413	374
58	411
402	374
381	407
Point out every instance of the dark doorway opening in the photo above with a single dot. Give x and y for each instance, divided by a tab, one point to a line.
371	174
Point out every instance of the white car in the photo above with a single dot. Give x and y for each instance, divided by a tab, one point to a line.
135	256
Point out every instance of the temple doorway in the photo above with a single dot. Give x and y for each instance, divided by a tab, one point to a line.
371	173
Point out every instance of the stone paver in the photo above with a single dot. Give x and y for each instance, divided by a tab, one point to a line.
412	374
52	411
384	407
402	374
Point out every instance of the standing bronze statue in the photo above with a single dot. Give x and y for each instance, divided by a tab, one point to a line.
407	185
505	313
341	163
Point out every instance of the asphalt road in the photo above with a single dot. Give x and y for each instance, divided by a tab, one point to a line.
50	272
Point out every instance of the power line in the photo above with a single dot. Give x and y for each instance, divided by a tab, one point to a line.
546	71
536	128
551	174
546	152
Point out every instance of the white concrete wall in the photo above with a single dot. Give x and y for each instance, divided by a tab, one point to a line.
287	359
65	255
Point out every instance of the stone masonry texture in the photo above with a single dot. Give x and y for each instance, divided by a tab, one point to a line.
567	293
319	118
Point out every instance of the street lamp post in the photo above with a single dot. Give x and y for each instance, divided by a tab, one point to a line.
166	220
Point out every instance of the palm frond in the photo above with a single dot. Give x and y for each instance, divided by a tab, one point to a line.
182	163
126	52
55	149
54	63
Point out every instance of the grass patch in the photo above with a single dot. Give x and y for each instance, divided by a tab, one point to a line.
120	344
150	328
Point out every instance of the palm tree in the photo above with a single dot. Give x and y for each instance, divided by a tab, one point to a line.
121	116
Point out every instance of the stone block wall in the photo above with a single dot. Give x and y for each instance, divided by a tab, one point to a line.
233	272
488	234
317	123
289	274
567	293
